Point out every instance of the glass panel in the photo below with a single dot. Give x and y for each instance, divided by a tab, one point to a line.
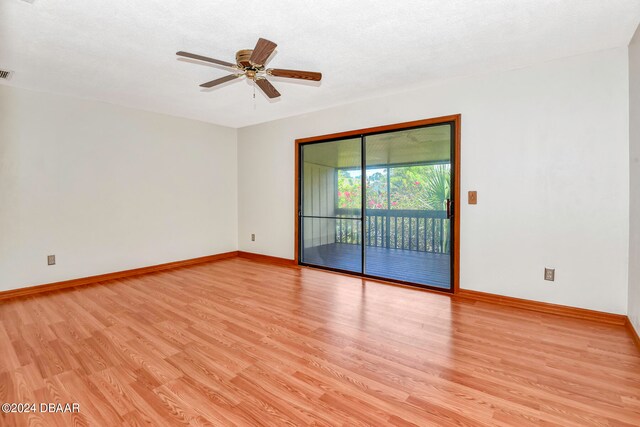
331	205
406	227
331	179
333	243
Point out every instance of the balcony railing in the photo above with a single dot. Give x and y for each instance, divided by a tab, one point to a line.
414	230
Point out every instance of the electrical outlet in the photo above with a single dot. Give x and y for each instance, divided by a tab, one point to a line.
550	274
51	260
253	237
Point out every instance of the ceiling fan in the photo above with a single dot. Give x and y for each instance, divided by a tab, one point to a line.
251	63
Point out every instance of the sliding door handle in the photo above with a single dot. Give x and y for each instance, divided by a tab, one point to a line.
448	203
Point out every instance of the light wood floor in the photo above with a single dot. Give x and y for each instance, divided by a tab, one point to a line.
239	342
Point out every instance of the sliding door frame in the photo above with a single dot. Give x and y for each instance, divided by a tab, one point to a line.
455	120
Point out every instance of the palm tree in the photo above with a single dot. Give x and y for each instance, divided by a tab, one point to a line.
438	186
438	190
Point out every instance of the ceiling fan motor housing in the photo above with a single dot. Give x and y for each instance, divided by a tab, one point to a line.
242	57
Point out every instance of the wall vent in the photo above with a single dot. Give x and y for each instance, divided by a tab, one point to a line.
5	74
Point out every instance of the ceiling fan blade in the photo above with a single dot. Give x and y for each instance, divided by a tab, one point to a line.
221	80
264	48
295	74
205	58
267	88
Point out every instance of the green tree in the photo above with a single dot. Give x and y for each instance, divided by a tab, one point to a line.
424	187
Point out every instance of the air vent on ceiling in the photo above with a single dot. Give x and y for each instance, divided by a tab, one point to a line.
5	74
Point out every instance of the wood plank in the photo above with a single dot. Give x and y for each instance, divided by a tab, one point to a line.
243	341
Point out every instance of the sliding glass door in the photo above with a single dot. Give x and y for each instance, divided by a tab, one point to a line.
379	204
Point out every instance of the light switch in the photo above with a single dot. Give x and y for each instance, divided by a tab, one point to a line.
473	197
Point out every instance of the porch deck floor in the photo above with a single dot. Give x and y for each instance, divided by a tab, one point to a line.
424	268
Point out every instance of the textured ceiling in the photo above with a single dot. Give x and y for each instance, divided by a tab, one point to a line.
123	51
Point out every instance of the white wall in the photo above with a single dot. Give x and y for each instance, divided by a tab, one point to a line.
546	147
634	204
108	188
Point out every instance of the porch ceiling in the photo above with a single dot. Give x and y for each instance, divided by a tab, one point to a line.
423	145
